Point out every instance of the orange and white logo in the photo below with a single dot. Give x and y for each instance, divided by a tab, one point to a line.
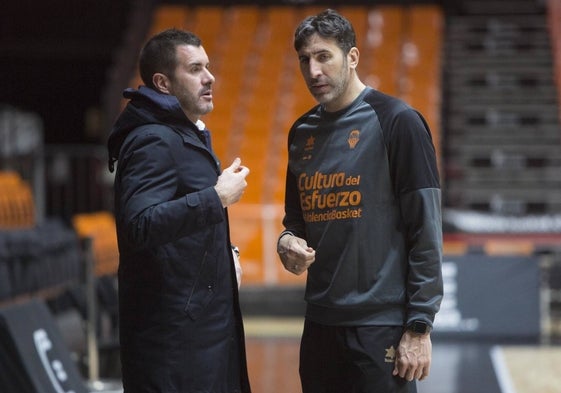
354	137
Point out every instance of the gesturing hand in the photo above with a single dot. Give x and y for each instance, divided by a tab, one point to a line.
231	183
295	254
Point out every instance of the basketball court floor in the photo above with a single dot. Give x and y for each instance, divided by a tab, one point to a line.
457	367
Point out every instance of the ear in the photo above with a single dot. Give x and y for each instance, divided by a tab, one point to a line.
353	57
161	82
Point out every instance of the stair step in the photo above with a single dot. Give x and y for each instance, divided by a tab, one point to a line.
504	95
507	109
494	97
536	150
502	148
506	73
498	62
496	117
543	130
497	175
504	157
488	191
515	50
521	85
510	8
496	23
516	202
500	140
497	27
498	128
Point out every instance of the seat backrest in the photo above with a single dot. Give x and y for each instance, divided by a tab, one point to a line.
34	357
17	207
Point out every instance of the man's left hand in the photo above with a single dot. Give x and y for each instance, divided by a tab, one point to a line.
413	356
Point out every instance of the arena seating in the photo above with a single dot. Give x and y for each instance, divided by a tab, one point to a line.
502	119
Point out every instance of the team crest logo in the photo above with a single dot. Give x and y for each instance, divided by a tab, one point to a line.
354	137
390	355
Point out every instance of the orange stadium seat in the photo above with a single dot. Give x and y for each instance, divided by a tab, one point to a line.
100	227
169	16
17	207
232	59
385	34
208	23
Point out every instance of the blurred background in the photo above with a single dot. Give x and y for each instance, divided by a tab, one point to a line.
485	74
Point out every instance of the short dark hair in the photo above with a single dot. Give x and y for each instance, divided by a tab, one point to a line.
328	24
159	53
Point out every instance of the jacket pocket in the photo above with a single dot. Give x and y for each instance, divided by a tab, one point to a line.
203	288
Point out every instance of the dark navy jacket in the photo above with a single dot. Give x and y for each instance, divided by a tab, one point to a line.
180	321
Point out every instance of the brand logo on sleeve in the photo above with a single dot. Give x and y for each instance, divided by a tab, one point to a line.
310	143
308	148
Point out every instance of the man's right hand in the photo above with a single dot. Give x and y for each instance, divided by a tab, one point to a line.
295	254
231	183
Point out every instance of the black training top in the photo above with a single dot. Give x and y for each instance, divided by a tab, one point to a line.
362	188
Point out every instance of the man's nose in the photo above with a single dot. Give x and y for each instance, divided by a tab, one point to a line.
208	78
314	68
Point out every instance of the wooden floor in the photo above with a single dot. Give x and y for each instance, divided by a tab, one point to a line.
273	344
458	367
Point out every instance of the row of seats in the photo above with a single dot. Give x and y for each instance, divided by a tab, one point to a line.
259	92
17	213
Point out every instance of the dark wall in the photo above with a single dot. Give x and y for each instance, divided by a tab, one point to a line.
54	57
300	2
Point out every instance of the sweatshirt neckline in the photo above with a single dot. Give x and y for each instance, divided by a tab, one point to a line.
340	112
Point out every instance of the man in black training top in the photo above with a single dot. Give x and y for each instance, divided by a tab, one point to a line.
362	216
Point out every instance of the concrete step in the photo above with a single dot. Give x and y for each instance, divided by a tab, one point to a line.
514	8
505	201
536	178
496	116
478	131
502	140
506	109
496	24
497	97
492	61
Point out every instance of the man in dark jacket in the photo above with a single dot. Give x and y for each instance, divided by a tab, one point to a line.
181	329
362	216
